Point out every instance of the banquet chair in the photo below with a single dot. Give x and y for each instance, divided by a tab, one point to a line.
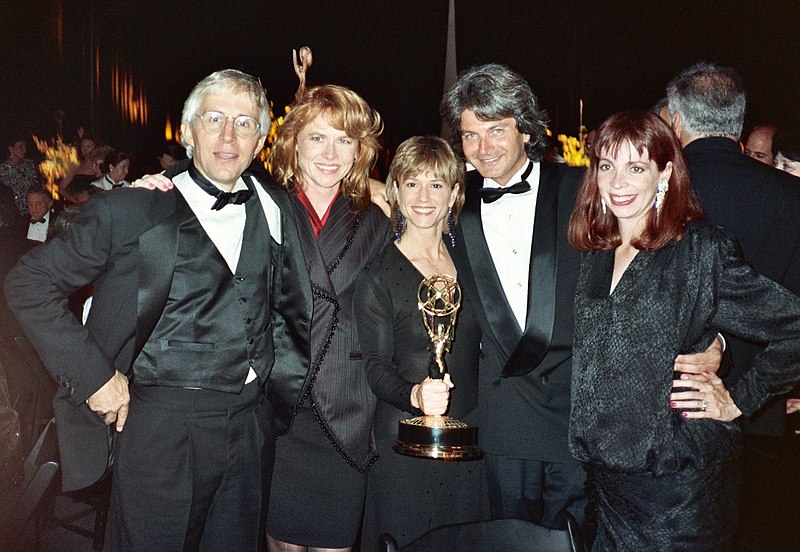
31	499
506	535
96	496
30	386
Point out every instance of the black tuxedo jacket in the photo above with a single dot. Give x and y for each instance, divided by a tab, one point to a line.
760	206
525	376
125	241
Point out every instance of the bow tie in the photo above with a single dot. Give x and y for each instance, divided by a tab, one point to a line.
38	221
490	195
223	197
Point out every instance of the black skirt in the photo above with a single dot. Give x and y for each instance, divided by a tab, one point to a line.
692	509
317	498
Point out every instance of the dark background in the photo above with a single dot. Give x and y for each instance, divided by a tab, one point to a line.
614	55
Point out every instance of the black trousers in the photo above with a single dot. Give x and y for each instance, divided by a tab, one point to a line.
536	491
193	471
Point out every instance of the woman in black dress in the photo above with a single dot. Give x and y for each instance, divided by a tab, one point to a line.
408	496
324	151
657	281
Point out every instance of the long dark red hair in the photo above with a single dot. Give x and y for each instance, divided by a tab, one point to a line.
590	229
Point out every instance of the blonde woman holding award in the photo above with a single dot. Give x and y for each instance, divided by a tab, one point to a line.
408	496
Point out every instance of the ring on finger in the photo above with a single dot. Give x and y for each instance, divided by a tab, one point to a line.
704	405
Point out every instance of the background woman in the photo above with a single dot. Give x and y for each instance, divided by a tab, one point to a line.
324	151
19	173
656	281
115	168
408	496
87	165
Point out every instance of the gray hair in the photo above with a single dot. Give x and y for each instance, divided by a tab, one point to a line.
711	100
226	81
494	92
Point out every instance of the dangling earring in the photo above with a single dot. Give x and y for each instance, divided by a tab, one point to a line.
451	227
603	205
661	192
398	226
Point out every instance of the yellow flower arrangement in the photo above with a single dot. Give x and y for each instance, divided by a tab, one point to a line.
58	158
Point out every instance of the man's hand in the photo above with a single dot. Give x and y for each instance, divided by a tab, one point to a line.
111	401
792	406
377	191
153	182
697	363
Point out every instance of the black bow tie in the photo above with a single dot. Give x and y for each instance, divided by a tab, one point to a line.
223	197
38	221
490	195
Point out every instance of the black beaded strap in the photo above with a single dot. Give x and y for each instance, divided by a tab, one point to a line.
347	245
307	395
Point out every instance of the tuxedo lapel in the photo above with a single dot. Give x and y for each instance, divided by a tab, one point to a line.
158	249
498	312
535	342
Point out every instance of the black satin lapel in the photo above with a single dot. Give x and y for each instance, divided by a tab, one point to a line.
158	250
535	342
490	291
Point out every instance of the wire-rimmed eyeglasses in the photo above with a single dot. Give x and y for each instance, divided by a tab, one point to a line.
214	122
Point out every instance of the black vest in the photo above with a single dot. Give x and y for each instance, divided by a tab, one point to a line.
215	325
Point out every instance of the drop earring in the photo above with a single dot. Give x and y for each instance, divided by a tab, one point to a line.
451	227
661	192
398	226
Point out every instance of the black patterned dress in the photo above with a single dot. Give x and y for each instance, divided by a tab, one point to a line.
408	496
657	480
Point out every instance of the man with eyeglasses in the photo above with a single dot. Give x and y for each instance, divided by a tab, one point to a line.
178	346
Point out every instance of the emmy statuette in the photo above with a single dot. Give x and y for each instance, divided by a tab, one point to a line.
439	437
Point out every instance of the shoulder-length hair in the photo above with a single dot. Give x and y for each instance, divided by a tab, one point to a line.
419	155
344	110
591	229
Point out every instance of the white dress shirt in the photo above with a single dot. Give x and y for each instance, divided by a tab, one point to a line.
105	183
508	227
38	232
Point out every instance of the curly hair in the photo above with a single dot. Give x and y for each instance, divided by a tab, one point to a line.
344	110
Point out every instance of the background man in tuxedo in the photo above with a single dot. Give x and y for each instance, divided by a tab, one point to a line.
178	344
39	204
514	257
760	206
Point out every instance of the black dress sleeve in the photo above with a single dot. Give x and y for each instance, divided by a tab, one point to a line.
374	312
757	309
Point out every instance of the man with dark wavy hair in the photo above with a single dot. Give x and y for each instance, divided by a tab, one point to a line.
525	280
